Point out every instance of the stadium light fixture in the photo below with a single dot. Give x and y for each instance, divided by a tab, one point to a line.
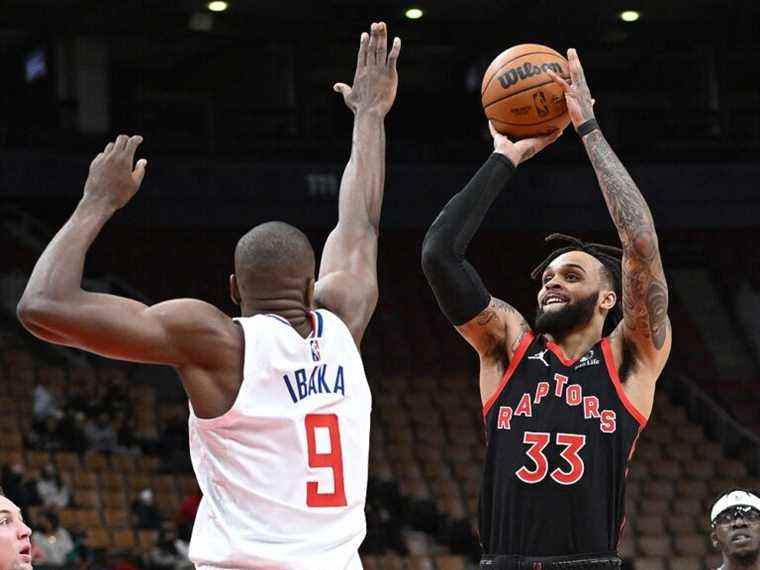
218	6
630	15
414	13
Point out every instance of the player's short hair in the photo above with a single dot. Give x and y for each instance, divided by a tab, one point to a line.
273	246
609	256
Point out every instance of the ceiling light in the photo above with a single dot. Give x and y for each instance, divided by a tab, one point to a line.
630	15
413	13
217	6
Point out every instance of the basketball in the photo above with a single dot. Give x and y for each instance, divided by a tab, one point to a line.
519	97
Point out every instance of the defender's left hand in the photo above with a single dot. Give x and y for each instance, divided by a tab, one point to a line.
112	181
580	105
376	79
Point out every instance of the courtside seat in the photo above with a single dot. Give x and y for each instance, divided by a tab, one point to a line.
693	507
691	544
649	525
659	489
685	563
124	539
116	518
700	470
681	523
692	489
668	469
655	546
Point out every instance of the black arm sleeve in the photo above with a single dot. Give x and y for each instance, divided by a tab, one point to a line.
457	286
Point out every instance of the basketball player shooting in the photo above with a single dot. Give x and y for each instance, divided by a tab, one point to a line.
564	401
280	406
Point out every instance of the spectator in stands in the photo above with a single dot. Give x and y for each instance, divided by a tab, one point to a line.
126	430
173	444
52	490
45	434
71	431
735	520
45	403
100	434
170	551
20	486
15	546
145	515
52	542
188	508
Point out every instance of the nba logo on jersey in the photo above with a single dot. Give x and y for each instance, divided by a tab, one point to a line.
315	356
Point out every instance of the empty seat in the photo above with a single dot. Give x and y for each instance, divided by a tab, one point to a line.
691	545
649	525
124	539
654	545
681	523
686	563
116	518
650	563
653	507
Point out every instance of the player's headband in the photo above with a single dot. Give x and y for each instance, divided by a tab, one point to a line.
734	499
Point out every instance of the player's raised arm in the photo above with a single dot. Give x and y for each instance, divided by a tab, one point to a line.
55	308
490	325
347	282
645	292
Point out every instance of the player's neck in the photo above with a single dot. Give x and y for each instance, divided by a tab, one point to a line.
291	310
576	343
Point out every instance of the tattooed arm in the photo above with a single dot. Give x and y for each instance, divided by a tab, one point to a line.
645	293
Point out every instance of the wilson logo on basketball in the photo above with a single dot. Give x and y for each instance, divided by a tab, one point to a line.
516	74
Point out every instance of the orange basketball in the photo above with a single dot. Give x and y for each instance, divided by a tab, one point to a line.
519	97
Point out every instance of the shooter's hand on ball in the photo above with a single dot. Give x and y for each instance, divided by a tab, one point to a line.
376	79
523	149
112	181
580	105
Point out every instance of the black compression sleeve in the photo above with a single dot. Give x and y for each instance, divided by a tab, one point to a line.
457	286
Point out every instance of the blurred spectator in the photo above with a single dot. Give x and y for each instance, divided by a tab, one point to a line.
145	514
52	490
173	444
170	551
20	486
71	431
52	542
126	430
188	508
100	434
45	403
44	435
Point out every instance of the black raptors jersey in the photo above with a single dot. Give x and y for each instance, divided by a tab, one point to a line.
559	437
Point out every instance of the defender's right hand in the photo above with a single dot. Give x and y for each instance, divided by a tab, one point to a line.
376	79
521	150
113	180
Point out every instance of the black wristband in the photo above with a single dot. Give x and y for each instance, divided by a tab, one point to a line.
585	128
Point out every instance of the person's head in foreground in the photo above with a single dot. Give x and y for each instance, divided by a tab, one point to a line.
15	537
735	522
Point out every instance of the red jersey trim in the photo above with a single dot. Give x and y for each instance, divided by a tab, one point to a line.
557	350
612	369
516	358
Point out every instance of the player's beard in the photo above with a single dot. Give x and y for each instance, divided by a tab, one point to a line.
568	318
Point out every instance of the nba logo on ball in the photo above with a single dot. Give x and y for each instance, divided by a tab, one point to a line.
315	356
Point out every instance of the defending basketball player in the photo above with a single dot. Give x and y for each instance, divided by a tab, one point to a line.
735	522
563	402
280	406
15	537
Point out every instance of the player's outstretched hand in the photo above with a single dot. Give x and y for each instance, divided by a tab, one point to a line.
112	180
580	105
521	150
376	79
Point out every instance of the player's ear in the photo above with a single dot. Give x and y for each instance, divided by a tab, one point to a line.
714	539
234	291
609	298
309	293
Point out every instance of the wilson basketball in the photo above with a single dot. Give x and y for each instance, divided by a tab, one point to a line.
519	97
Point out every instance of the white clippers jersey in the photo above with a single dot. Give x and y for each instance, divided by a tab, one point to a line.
284	471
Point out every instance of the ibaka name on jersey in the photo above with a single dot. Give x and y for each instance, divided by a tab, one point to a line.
307	382
572	396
